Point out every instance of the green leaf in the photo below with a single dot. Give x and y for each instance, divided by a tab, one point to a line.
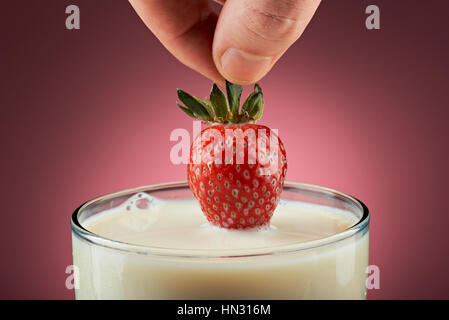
207	105
248	105
194	106
257	112
189	113
218	100
254	105
234	92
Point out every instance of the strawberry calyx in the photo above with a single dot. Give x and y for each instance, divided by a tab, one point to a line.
219	109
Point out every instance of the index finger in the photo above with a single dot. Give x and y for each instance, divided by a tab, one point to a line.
185	28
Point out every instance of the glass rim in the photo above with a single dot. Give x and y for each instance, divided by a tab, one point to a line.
86	235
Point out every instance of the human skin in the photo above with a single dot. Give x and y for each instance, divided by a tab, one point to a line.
240	44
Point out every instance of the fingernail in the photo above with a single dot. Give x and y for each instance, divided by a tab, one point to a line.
243	66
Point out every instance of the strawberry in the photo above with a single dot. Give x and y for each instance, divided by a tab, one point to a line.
237	167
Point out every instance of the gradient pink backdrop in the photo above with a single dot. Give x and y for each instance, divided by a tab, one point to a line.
88	112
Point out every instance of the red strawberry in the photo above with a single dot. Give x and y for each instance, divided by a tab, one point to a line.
237	168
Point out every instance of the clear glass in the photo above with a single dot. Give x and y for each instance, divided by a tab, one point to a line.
328	268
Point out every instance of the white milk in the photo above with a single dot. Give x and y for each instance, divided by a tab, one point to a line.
317	271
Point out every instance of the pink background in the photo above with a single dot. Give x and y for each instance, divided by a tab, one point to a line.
88	112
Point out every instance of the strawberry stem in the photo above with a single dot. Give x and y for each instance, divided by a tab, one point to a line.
218	109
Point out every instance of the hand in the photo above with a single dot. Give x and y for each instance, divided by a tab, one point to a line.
241	44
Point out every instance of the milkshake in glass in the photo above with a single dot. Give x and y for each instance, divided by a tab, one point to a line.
154	242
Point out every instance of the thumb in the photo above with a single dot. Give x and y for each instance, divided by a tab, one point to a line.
252	35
